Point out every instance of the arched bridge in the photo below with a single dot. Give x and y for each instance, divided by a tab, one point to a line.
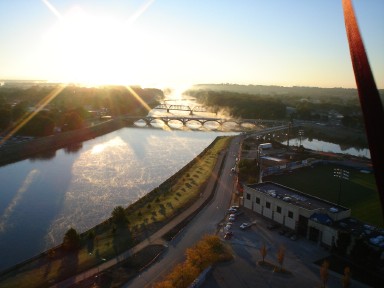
202	120
182	108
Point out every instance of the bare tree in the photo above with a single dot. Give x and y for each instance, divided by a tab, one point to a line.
263	252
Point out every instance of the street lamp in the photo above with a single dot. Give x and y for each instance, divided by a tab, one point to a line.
341	174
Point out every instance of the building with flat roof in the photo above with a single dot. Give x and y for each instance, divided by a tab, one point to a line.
304	214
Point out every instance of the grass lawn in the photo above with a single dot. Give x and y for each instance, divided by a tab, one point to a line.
109	239
358	193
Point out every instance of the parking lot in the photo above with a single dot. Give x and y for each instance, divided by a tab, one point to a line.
247	270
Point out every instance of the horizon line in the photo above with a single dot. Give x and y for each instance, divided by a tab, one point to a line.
44	81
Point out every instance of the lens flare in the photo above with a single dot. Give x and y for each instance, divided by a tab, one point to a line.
28	116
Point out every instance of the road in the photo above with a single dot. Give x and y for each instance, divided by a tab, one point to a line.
206	222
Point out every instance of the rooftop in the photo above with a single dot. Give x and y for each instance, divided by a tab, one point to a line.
295	197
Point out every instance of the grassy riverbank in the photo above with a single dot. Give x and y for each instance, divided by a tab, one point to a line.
108	239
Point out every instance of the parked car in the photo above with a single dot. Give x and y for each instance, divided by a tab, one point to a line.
232	210
231	218
245	225
228	227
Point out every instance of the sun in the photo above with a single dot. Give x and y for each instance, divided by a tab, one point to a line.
93	49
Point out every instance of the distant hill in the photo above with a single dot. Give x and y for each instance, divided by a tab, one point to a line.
298	91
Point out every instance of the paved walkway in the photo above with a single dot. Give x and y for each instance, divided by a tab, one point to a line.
155	238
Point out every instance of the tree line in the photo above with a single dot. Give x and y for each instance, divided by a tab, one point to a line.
241	105
304	103
70	108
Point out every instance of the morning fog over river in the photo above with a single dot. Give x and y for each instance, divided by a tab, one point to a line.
41	198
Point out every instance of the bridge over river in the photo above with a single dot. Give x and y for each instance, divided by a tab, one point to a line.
240	124
181	108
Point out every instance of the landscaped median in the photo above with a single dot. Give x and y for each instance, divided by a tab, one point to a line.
110	238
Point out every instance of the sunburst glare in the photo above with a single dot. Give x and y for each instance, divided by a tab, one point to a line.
95	49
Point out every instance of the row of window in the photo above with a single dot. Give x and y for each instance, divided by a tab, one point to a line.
268	205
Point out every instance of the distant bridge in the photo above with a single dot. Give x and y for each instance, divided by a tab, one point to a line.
182	108
203	120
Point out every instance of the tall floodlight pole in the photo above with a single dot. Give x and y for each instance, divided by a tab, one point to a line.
288	134
370	102
341	174
259	149
301	134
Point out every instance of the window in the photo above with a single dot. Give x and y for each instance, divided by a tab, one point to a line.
268	205
278	209
290	214
257	200
248	196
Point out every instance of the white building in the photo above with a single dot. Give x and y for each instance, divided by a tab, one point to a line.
307	215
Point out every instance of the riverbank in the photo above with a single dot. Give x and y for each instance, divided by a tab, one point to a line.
105	240
44	145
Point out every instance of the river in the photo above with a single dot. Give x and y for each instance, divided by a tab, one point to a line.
324	146
41	198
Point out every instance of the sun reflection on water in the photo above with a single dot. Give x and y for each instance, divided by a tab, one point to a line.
120	170
113	143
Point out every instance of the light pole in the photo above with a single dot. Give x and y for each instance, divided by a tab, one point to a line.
301	134
341	174
288	134
259	149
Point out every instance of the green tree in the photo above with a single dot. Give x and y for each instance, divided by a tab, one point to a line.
118	215
5	118
72	121
71	239
19	110
40	125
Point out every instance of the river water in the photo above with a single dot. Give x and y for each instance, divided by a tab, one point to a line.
41	198
323	146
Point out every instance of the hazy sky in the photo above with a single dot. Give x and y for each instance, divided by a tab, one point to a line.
181	42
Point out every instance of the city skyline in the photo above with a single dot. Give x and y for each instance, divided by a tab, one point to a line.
180	43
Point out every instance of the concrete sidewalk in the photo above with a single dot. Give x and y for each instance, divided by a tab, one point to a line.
155	238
